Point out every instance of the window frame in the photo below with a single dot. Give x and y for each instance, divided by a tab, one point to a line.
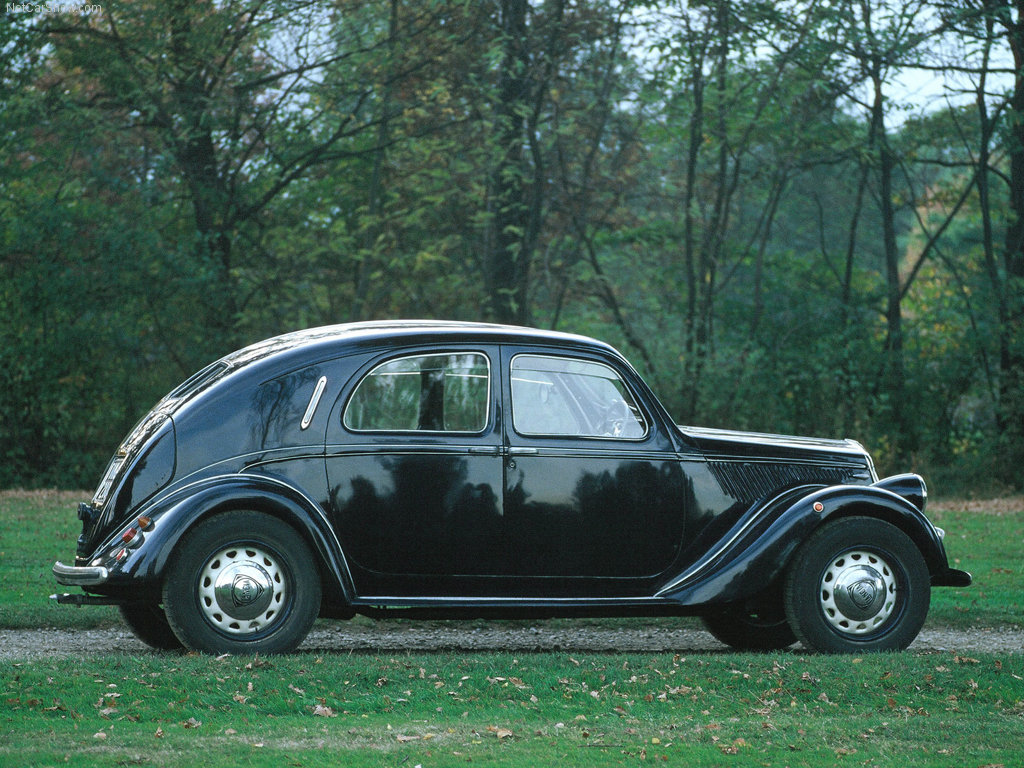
422	355
637	402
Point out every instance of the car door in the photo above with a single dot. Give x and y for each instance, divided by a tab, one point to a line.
415	473
594	491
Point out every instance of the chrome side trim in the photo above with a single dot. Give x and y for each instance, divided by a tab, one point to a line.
483	602
314	401
79	576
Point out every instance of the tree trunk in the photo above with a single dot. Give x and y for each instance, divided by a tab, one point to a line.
1011	333
506	260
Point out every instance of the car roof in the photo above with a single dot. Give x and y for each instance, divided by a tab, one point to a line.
315	343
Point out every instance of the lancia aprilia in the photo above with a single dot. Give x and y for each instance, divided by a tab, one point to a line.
433	469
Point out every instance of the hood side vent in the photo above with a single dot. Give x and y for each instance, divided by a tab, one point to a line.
747	481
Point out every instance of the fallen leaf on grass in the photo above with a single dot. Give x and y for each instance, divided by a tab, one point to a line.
734	748
403	738
192	723
501	733
322	711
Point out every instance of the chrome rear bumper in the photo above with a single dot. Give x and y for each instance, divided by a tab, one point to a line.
79	576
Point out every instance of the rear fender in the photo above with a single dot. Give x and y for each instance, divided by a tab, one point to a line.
174	516
757	550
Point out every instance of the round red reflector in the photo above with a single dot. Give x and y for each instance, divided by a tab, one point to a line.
818	506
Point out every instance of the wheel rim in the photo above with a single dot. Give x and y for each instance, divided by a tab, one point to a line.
242	590
858	593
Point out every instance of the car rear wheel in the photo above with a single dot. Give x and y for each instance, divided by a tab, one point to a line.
242	582
149	624
857	585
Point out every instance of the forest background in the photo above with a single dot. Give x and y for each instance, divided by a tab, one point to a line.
803	216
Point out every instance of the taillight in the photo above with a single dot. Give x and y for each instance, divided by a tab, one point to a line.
133	537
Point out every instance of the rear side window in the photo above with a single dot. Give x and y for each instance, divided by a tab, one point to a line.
423	393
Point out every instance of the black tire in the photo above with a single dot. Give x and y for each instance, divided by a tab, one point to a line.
149	623
242	582
857	585
758	624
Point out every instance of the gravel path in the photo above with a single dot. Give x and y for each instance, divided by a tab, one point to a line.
389	637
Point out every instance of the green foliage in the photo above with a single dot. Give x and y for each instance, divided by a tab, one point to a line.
698	183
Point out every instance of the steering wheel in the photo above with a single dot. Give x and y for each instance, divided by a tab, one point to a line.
614	419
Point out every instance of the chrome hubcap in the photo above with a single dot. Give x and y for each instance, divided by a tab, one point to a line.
242	590
858	592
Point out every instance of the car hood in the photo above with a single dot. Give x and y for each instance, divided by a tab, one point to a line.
728	444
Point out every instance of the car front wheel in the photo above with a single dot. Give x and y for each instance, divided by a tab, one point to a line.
242	582
857	585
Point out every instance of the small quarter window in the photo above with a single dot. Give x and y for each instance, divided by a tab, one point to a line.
576	398
198	381
426	393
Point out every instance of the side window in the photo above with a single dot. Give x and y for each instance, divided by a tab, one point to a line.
563	397
429	393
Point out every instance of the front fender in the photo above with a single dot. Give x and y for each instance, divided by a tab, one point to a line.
757	550
175	515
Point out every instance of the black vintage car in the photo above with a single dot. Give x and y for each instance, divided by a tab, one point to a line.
430	469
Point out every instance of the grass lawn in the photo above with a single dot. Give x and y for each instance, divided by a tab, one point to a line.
440	709
534	709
